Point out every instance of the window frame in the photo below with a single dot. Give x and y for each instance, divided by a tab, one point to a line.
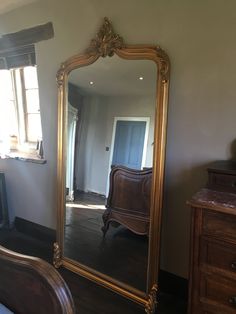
25	148
26	112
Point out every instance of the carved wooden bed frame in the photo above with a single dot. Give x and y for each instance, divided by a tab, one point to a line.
129	198
29	285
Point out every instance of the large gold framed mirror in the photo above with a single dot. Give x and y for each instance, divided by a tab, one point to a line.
111	153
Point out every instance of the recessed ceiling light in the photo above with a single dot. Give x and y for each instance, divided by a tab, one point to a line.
91	82
141	78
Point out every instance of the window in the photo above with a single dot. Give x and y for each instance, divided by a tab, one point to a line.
20	122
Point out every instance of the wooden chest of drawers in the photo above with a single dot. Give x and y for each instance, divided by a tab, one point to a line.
212	286
222	176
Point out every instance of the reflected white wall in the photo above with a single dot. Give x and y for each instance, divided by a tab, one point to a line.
98	116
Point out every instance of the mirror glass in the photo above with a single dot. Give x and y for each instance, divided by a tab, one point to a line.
110	122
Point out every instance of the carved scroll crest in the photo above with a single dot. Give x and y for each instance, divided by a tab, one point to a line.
56	255
152	301
106	41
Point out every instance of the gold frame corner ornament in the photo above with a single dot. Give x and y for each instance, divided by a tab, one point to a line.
152	301
60	75
56	255
164	64
106	44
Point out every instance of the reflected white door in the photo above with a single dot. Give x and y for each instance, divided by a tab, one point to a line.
129	143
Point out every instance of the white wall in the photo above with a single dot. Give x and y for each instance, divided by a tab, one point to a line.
98	117
199	37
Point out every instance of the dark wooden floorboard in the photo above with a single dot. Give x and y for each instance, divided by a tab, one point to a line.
89	298
120	249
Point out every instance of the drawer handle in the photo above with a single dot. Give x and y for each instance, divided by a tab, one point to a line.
233	265
233	184
232	300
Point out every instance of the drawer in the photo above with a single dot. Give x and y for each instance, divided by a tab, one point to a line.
213	308
219	225
219	291
222	181
218	254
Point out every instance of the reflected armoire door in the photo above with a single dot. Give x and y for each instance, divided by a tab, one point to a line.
71	129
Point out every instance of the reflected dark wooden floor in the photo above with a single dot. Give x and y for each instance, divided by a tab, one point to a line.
120	250
90	198
89	298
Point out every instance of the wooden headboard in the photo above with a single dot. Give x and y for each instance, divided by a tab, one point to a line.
129	199
29	285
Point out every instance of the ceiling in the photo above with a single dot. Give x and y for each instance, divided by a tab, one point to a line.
8	5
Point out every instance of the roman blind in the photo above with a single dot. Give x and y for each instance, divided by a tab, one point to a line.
17	57
18	49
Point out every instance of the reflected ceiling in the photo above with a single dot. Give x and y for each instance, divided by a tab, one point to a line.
116	77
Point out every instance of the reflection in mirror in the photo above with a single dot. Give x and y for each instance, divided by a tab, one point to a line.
110	135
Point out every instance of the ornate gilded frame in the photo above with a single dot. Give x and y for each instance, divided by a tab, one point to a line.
108	43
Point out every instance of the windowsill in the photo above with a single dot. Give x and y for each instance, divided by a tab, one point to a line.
23	156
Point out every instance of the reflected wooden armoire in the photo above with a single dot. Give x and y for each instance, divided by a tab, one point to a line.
212	284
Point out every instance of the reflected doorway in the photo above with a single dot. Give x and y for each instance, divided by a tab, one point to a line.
129	143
